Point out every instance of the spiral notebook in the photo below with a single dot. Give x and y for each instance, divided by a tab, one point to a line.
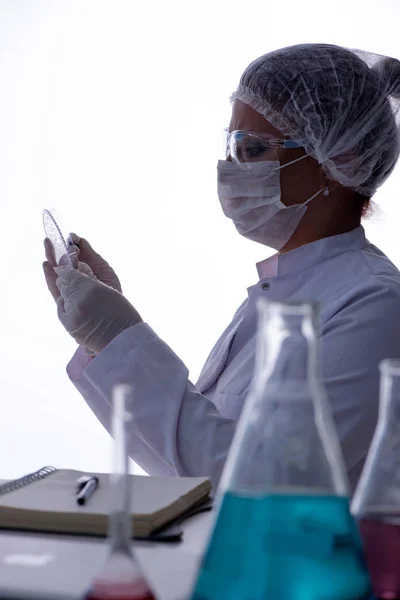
46	501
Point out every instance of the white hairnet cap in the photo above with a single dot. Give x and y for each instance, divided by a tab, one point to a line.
342	105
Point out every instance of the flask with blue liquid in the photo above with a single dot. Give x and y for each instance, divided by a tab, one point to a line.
283	528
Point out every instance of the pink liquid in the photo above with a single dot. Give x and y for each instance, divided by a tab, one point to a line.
120	591
381	539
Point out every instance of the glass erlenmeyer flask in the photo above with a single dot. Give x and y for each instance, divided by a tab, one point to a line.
376	502
283	528
120	577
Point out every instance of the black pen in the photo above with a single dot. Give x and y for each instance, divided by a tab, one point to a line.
87	490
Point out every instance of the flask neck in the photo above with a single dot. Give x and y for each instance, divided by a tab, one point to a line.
389	410
288	347
286	438
120	525
377	493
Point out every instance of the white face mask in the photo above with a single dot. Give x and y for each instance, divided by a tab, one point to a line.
250	195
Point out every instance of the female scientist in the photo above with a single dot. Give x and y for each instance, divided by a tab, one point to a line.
313	134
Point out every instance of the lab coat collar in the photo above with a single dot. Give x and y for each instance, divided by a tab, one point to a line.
312	254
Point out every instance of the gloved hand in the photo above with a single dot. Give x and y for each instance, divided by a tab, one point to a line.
92	312
51	275
98	265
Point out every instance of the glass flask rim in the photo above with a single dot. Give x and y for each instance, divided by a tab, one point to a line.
390	366
301	308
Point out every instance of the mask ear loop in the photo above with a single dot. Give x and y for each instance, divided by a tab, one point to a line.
290	163
324	191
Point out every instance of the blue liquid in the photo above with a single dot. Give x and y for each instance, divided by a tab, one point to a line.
283	547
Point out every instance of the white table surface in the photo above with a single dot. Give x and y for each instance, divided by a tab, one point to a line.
36	566
172	569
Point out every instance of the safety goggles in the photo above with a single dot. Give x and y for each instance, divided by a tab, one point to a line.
248	146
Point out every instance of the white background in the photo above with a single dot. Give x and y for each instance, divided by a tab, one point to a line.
112	113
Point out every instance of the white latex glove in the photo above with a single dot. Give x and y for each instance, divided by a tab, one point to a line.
97	264
49	273
92	312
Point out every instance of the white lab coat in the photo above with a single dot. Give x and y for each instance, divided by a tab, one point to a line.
183	429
